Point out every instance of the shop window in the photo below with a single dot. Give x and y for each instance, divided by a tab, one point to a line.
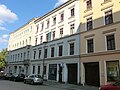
112	70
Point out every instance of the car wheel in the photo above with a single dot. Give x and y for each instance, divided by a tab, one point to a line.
25	81
32	82
41	83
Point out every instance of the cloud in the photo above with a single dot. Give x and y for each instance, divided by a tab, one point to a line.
4	38
59	2
3	28
6	16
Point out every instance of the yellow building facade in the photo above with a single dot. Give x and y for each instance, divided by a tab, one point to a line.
99	41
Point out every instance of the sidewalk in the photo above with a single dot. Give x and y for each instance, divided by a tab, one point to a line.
69	86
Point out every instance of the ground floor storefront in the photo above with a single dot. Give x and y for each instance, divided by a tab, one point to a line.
64	70
100	69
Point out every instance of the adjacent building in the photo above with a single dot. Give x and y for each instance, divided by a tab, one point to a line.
99	41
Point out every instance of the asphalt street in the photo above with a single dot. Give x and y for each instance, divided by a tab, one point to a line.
11	85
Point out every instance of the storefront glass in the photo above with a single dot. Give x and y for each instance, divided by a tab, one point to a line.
112	70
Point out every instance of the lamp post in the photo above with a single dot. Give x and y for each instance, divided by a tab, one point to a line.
44	43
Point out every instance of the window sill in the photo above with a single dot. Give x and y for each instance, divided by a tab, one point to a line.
71	17
53	25
106	2
60	21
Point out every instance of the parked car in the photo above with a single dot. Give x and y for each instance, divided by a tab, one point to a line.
19	77
11	77
33	79
6	76
113	86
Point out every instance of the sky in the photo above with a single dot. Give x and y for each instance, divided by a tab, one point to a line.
15	13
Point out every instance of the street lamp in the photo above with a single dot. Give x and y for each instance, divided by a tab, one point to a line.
44	43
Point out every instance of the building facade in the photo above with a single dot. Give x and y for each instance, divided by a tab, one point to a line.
48	45
77	42
100	44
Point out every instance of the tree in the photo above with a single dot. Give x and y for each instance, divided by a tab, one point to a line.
3	55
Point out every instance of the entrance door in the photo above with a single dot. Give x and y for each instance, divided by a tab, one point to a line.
92	74
72	73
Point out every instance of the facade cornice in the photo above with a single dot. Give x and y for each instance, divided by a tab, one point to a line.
55	10
100	53
57	58
24	25
20	48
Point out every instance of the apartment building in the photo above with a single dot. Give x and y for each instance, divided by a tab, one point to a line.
48	45
100	44
19	46
60	29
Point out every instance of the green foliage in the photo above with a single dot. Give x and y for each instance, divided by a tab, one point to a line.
3	55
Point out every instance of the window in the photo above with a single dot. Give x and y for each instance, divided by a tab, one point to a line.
48	22
44	69
21	56
60	50
42	26
45	53
28	54
72	12
71	48
53	35
33	70
18	56
112	70
89	4
41	37
54	20
89	24
72	27
36	41
13	57
37	26
34	55
47	36
90	46
61	32
39	54
108	17
38	69
62	17
29	40
110	42
52	52
24	55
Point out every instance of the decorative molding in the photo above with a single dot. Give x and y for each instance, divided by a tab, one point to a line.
89	14
61	26
106	7
109	31
71	40
88	36
106	2
60	43
71	21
